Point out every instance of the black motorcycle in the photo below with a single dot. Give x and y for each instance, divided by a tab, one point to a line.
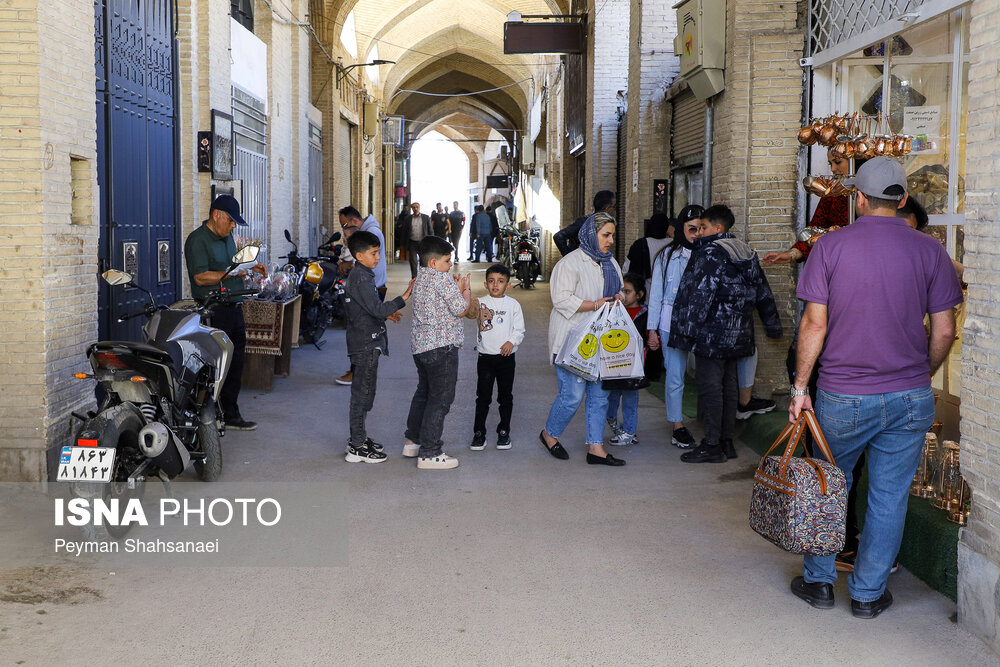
527	265
321	287
158	407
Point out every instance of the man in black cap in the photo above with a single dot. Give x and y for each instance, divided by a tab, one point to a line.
208	252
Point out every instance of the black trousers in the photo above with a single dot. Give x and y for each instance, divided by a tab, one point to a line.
718	395
411	251
494	368
364	365
437	374
229	318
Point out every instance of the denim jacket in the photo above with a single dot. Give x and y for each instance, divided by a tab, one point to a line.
663	287
366	313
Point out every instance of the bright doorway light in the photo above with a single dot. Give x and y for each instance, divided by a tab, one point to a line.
439	172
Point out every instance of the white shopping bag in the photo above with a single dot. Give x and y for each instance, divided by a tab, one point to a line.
621	346
579	352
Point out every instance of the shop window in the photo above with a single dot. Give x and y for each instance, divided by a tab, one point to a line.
242	11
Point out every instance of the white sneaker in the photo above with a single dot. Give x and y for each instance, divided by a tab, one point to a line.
615	427
410	448
624	439
440	462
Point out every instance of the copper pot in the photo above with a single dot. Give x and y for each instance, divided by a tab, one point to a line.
881	145
807	137
865	148
840	150
828	135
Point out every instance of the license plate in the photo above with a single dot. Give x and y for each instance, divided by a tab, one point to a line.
524	257
86	464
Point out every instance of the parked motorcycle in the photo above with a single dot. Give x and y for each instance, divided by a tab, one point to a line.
527	258
321	287
158	410
506	246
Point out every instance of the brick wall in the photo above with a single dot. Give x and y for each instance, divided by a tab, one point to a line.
48	230
652	68
755	172
979	548
607	73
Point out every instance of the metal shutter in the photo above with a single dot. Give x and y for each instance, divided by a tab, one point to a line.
343	193
688	130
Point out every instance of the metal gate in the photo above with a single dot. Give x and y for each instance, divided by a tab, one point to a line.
344	185
251	168
136	156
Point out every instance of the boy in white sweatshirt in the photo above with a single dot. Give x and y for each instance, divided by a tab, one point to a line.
501	330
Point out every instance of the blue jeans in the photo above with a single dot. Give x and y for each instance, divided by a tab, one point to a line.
890	428
629	401
675	364
572	390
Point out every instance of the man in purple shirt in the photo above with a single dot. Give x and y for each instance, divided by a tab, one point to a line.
867	289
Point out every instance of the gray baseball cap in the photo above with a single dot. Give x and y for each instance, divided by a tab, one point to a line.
880	177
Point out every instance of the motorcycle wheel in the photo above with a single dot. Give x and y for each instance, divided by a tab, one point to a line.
209	468
127	424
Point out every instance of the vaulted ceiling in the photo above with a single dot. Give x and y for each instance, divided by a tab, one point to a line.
444	50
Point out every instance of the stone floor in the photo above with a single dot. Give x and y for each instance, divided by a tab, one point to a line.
513	558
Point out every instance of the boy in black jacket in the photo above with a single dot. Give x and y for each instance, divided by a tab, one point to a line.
366	340
713	318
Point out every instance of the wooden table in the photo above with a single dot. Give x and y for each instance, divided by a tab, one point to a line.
272	327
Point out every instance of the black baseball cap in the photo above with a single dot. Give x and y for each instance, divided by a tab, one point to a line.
228	204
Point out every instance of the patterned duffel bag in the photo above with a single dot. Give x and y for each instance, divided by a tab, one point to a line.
800	504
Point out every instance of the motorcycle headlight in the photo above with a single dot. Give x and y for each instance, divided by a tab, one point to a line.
314	273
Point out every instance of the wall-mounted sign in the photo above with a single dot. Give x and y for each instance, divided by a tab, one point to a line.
204	151
547	37
223	152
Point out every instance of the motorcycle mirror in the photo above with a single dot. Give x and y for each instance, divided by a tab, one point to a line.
334	237
116	277
288	237
246	254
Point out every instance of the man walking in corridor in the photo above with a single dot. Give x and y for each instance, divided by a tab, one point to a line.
482	226
867	289
457	218
415	226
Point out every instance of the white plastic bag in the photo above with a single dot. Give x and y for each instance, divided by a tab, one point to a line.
621	346
579	352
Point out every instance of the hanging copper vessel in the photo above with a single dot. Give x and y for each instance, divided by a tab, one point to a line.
807	137
828	134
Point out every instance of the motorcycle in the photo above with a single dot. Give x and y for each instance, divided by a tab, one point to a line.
506	242
158	407
527	258
321	286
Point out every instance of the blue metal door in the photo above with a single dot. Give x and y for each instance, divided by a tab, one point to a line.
136	156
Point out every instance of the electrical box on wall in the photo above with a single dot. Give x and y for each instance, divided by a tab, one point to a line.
370	119
701	45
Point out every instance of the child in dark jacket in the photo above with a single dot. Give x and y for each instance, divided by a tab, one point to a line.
713	318
633	294
366	340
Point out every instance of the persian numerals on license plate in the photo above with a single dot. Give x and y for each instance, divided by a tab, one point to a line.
86	464
524	257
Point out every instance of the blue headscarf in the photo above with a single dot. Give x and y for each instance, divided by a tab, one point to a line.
588	244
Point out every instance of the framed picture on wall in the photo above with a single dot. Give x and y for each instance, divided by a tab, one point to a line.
661	196
223	150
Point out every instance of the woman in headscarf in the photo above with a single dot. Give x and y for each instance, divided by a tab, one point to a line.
581	282
668	267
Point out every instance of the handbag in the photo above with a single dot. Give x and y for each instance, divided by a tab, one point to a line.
800	503
579	352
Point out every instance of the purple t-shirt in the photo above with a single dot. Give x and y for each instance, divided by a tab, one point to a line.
878	278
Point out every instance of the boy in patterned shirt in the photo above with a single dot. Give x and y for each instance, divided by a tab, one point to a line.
440	300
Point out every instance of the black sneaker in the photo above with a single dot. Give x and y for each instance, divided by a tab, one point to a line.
363	455
240	424
503	440
682	438
755	406
704	453
374	446
727	448
478	441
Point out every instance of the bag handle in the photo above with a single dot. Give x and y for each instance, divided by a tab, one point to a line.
793	433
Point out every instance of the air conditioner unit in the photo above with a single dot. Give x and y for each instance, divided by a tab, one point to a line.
392	130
